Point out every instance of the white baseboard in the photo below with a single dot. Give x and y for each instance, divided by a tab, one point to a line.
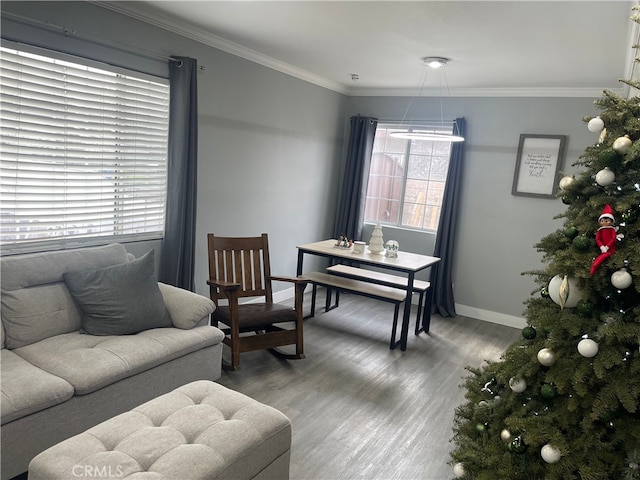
489	316
477	313
286	294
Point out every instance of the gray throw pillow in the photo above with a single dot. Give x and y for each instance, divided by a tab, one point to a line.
119	299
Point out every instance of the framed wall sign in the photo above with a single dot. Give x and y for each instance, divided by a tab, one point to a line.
537	165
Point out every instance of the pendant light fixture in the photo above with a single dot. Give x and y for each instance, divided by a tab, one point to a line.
429	63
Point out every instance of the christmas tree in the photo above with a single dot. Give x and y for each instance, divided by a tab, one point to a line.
564	402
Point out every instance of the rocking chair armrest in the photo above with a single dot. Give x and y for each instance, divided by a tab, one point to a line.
224	285
296	280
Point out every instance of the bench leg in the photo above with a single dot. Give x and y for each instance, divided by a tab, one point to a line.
328	306
327	303
314	291
418	315
393	344
327	298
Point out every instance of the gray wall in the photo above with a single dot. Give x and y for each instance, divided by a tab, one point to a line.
497	231
270	145
271	149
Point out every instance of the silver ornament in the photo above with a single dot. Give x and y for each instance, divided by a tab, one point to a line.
546	357
603	135
622	144
518	385
587	348
566	183
550	454
605	177
458	470
621	279
566	294
595	125
564	291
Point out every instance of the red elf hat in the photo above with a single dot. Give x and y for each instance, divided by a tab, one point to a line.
607	212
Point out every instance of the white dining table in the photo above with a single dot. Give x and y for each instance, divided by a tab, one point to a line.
406	263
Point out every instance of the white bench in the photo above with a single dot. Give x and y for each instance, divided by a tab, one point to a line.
419	286
358	287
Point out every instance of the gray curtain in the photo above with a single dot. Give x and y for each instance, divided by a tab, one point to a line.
350	218
441	273
178	248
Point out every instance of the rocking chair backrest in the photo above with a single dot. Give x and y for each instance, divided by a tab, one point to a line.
241	260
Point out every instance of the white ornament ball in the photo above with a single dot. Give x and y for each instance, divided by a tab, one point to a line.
587	348
518	385
622	144
605	177
621	279
546	357
505	435
550	454
458	470
574	293
595	125
567	182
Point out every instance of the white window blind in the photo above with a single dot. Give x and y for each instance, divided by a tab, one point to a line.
83	152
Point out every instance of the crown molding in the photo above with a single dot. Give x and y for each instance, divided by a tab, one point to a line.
186	30
485	92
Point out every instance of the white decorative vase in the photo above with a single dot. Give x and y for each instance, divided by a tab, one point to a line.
376	243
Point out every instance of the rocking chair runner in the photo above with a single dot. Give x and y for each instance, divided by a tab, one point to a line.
239	267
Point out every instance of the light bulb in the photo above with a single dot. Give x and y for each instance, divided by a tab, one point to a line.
435	62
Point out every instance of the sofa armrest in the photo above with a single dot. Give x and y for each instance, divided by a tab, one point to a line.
186	308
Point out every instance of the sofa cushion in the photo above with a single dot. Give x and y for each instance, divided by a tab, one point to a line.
119	299
35	302
91	362
32	314
186	308
26	389
20	271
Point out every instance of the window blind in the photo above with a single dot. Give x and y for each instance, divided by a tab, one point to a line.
83	152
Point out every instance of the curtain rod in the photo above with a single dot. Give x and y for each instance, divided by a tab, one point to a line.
67	32
425	123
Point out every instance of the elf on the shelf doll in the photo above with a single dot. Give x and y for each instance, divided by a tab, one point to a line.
606	237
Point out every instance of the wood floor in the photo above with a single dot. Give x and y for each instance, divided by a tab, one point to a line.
360	410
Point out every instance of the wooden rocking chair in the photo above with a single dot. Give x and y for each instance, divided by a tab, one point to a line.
239	267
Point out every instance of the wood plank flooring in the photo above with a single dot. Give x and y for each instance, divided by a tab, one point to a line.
360	410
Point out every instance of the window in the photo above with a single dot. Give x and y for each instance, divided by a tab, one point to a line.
407	179
83	152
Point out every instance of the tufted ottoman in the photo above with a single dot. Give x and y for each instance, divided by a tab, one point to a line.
199	431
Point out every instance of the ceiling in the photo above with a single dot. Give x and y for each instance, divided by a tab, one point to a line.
496	48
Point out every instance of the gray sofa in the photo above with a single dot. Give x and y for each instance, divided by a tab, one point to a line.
57	380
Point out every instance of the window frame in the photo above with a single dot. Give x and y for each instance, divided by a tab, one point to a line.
154	166
390	126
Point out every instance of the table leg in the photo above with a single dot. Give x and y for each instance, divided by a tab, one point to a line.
300	258
407	313
426	315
